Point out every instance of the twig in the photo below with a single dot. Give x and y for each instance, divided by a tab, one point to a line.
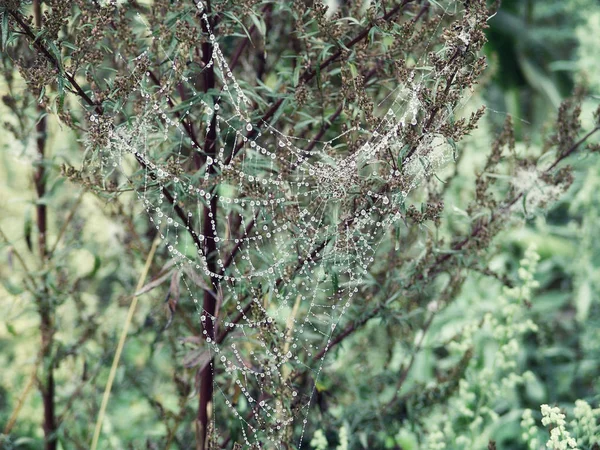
573	148
13	417
66	223
38	44
309	74
187	125
347	332
21	261
98	108
237	247
413	356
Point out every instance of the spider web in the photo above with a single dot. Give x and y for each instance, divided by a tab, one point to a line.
305	227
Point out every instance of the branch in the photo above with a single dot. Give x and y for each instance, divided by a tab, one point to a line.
100	111
329	122
237	247
66	223
178	209
186	123
481	227
347	332
244	43
309	74
573	148
33	288
210	246
37	43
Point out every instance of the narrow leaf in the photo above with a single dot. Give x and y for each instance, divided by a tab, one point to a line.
197	358
4	29
153	284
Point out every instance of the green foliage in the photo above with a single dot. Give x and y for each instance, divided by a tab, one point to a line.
466	253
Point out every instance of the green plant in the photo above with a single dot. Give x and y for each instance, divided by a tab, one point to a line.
300	197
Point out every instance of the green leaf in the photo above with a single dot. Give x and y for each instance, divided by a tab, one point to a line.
539	80
280	111
353	70
54	51
296	75
11	288
535	390
336	282
4	29
54	188
583	301
94	271
188	103
27	226
11	329
259	24
69	45
61	92
24	440
41	96
454	149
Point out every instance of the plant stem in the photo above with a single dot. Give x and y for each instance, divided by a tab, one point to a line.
44	301
66	222
115	364
28	276
30	384
38	44
310	73
209	224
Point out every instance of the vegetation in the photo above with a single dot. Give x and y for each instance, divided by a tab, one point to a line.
342	225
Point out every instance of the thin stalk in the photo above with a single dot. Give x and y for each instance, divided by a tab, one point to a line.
39	46
66	223
124	331
28	276
44	302
30	384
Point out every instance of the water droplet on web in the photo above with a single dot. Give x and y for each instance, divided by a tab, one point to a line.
249	127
